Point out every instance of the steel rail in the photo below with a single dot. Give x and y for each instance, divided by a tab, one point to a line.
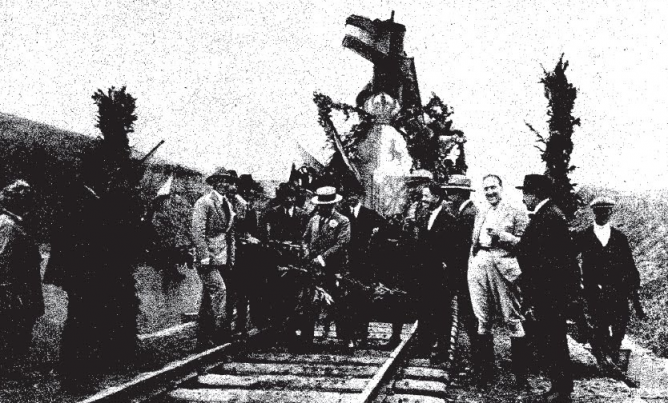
377	382
154	383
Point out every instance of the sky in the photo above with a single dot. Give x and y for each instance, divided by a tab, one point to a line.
230	83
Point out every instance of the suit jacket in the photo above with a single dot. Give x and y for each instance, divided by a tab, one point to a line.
212	229
550	274
512	221
610	267
434	248
278	225
360	250
330	241
463	239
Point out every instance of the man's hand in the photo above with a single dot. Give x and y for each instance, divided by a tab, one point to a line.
318	261
252	240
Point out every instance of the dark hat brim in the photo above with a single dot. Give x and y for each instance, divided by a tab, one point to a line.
602	205
470	189
221	178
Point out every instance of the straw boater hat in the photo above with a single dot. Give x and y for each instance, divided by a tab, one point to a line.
458	182
326	195
602	202
222	174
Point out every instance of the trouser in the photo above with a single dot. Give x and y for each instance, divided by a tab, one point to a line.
310	310
492	293
354	314
467	318
236	307
211	319
15	339
434	316
609	318
549	338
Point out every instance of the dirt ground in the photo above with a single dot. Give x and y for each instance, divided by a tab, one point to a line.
162	306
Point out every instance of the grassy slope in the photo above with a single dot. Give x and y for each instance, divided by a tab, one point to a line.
644	219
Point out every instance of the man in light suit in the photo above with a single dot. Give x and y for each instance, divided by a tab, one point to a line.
550	282
492	278
212	222
325	242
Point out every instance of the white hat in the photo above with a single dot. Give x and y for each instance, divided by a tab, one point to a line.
602	202
326	195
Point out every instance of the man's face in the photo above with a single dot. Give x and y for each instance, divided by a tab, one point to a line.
289	201
457	196
225	188
428	198
325	209
602	215
492	190
352	200
530	200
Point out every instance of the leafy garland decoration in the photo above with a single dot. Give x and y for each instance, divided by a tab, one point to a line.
427	130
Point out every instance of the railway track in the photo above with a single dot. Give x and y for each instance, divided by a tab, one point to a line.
255	371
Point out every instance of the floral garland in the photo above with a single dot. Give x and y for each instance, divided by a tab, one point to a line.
430	143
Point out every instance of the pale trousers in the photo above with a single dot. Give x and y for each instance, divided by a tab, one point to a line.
493	296
211	319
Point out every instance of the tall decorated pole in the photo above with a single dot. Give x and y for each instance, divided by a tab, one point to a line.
395	138
558	145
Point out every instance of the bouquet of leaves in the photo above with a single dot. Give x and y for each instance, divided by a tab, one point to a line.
312	292
382	293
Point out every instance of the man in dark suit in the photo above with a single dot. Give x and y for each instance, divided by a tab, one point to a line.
610	280
458	191
365	223
284	222
550	281
435	279
325	243
282	226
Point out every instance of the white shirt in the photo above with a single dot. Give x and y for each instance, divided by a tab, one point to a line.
356	210
491	219
463	206
432	217
602	232
290	211
541	204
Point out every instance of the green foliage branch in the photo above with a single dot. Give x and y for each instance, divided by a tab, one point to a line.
427	130
557	147
116	117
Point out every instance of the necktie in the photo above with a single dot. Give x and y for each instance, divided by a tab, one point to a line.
323	220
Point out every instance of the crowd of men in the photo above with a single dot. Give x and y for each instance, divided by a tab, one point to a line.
503	265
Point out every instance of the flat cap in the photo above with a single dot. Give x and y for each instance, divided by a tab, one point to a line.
602	202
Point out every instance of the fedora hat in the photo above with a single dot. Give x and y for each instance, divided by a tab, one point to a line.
602	202
535	182
457	181
222	174
326	195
